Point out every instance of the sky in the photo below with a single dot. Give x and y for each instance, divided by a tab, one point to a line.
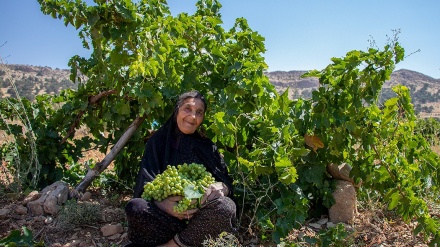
299	35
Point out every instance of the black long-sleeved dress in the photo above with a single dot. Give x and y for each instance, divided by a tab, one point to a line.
147	224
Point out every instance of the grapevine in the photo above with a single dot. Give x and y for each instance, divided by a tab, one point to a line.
187	180
276	148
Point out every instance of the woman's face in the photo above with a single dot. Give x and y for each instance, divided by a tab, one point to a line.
190	115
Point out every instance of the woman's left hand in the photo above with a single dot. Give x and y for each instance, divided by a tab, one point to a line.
214	191
167	205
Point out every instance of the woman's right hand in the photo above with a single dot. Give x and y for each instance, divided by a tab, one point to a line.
167	205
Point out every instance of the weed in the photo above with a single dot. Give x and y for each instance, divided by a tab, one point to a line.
12	150
74	214
16	238
223	240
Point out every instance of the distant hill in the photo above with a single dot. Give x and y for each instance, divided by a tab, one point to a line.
424	89
33	80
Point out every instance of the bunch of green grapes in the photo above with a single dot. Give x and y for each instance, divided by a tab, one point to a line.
187	180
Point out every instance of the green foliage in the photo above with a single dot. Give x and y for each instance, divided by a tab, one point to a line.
74	172
17	238
378	141
336	236
35	154
429	128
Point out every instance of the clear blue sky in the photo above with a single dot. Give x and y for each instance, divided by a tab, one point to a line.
300	35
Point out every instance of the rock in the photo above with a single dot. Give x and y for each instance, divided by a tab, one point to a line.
110	214
21	210
48	220
14	225
51	197
39	218
322	221
86	243
34	195
315	225
114	237
344	208
109	230
341	171
35	208
75	235
86	196
50	205
20	223
330	224
75	242
4	213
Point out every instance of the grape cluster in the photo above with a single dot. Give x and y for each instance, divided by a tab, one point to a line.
178	181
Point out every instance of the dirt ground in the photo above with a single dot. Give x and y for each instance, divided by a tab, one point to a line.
371	228
46	228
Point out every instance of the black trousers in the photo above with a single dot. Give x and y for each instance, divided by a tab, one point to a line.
150	226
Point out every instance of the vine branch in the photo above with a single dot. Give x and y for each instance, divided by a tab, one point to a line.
92	101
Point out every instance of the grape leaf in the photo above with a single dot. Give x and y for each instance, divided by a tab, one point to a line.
191	192
18	238
314	142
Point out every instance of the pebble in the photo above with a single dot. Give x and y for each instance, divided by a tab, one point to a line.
40	218
322	221
34	195
330	224
21	210
314	225
48	220
86	196
75	242
3	213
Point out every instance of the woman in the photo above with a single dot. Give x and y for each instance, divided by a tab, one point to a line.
154	223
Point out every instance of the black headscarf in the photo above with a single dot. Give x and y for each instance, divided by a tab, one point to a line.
169	146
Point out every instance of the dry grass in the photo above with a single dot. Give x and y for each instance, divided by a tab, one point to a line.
436	149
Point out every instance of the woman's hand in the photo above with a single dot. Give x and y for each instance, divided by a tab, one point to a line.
167	205
215	191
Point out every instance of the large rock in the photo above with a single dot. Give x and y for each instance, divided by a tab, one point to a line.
341	171
50	200
344	209
21	210
109	230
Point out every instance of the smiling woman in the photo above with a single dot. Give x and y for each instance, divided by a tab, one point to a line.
190	113
155	223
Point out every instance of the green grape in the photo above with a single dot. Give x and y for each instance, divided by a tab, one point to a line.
174	180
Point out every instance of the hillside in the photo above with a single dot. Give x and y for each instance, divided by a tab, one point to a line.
33	80
424	89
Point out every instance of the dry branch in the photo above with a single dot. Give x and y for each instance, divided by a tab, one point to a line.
101	166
